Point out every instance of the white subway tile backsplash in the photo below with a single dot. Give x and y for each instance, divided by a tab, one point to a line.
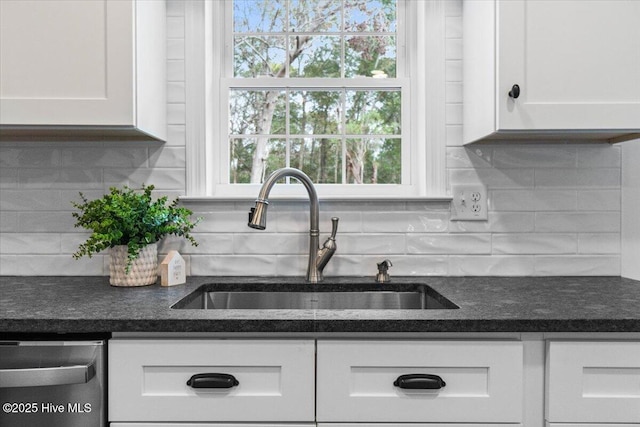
499	222
175	49
111	155
578	178
599	156
493	265
176	92
453	8
405	222
167	157
469	157
454	114
208	243
8	177
176	135
25	243
45	222
599	243
270	243
554	208
175	71
162	178
175	7
60	178
533	200
453	70
449	244
535	156
578	222
176	114
454	135
20	200
413	265
453	49
175	27
577	265
453	27
599	200
233	265
367	244
8	222
534	243
494	178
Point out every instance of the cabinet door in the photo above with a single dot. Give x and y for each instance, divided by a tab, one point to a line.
593	382
577	64
216	425
356	381
66	62
149	380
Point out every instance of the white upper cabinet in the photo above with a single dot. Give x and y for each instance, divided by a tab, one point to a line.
576	65
69	66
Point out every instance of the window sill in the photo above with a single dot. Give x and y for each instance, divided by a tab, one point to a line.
290	198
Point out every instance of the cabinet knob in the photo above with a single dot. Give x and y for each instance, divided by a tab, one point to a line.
514	92
419	381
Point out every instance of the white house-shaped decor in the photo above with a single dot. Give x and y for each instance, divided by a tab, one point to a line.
173	270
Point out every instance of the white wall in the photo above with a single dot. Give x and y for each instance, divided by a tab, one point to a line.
554	208
631	210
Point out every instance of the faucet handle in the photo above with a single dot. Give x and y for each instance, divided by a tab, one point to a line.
334	227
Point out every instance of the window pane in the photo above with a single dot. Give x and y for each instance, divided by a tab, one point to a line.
253	159
315	15
314	112
319	158
373	112
370	56
258	56
315	56
370	15
374	161
257	16
257	112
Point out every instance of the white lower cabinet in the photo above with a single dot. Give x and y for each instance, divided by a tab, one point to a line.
591	382
262	381
420	381
304	382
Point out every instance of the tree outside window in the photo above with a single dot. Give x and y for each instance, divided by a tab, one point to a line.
314	86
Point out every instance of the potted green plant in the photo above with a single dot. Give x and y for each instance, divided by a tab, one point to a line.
130	223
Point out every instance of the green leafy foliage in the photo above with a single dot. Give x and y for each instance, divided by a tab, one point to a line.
130	217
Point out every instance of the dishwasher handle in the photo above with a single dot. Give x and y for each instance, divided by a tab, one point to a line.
39	377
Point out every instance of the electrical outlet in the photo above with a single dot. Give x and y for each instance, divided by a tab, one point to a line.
469	202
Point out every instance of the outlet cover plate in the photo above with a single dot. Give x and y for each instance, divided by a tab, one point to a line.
469	202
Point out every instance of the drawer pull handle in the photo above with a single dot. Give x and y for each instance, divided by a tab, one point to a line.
212	381
419	381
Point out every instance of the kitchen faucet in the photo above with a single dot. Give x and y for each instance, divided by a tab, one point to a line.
318	257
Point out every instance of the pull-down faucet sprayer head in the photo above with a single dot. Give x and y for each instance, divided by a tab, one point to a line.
258	215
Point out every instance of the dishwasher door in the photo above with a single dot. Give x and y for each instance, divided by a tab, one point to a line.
52	383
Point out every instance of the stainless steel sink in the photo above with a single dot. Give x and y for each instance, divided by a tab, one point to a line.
421	297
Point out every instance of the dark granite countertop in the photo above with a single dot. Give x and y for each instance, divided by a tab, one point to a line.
486	304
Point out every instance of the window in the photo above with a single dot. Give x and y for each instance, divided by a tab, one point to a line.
336	88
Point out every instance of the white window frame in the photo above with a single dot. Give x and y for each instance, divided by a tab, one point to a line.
206	128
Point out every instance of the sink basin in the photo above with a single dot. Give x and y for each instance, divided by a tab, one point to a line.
318	297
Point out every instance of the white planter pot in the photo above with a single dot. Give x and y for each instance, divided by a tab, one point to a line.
143	272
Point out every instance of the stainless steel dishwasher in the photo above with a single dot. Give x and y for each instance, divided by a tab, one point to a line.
52	383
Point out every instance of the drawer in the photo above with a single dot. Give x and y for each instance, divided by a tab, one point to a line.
483	381
591	382
148	380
